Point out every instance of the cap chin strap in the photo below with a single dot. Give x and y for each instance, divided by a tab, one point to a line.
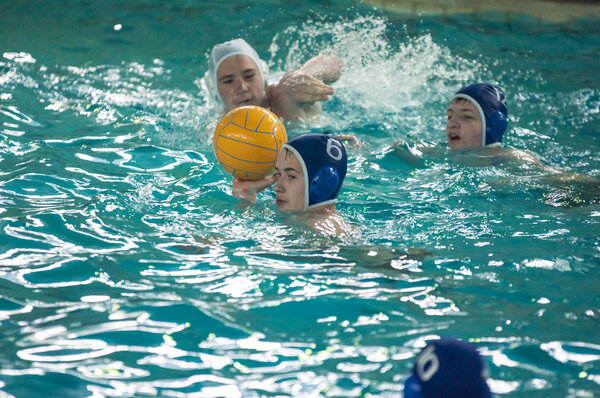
326	202
481	114
495	144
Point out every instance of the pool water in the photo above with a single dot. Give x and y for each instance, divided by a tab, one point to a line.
128	269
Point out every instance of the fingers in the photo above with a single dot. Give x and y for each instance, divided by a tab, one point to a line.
309	98
305	88
314	87
311	93
252	186
349	139
265	182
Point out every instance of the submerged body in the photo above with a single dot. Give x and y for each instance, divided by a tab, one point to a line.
476	122
477	118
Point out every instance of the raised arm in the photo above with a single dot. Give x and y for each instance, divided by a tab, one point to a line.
298	93
327	68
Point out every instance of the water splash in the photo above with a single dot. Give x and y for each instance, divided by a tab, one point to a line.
388	77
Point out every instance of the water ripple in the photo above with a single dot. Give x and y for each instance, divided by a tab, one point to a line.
127	268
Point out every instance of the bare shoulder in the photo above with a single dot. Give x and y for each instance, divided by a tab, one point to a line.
331	224
522	155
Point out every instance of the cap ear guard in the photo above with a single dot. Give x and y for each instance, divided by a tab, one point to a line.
412	388
324	184
207	83
495	127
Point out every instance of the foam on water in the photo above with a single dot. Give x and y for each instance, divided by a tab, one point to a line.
389	81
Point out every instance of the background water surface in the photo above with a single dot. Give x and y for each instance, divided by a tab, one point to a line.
127	269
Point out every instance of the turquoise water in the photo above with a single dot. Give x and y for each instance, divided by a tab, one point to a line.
127	269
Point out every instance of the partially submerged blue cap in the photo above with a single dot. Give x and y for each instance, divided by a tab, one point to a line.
221	52
448	368
324	163
491	104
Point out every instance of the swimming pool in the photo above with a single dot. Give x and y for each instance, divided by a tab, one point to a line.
127	269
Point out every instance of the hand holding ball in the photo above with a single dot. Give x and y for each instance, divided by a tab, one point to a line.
247	140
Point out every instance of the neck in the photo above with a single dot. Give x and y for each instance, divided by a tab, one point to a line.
266	102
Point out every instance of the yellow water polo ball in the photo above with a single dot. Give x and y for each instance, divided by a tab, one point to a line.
247	140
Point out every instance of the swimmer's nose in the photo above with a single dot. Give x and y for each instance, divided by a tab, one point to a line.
277	187
242	86
451	123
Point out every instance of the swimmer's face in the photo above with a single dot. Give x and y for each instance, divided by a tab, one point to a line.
239	82
463	128
289	188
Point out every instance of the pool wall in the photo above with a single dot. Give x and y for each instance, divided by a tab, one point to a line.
552	11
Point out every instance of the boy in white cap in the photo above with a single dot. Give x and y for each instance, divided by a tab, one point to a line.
237	77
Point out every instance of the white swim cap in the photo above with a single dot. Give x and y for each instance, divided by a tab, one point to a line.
222	51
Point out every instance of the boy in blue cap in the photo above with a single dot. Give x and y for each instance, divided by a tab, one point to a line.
477	118
237	76
448	368
309	174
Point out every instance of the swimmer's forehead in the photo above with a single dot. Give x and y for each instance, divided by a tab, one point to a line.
236	63
287	161
461	104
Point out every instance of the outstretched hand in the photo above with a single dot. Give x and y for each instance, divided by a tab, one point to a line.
297	95
247	189
349	139
302	87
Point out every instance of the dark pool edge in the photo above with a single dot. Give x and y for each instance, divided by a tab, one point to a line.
547	10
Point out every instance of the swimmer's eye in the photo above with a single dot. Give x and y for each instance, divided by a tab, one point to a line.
226	81
250	76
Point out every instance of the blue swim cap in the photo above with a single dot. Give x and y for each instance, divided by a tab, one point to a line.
324	163
448	368
221	52
491	104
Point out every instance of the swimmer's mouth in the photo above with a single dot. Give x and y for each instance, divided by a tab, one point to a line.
244	102
453	137
280	202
